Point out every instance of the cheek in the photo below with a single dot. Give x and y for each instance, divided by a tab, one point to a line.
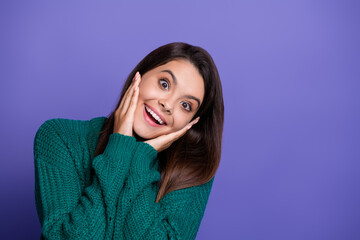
147	92
180	120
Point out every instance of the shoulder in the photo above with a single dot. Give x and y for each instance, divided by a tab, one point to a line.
68	138
56	131
66	132
198	193
64	126
59	127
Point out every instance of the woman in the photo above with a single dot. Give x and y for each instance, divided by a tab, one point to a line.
146	171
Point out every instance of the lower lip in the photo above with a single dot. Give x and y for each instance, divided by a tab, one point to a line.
149	119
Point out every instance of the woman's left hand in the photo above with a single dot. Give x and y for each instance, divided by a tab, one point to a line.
164	141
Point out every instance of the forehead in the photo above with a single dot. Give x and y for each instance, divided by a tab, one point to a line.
188	79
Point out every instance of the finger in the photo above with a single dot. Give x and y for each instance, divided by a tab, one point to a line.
189	125
164	141
176	135
131	101
126	94
133	104
130	92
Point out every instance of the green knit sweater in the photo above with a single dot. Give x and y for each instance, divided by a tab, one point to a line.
111	196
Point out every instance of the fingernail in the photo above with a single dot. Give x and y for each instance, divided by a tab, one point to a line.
136	76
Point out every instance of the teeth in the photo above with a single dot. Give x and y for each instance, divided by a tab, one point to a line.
154	115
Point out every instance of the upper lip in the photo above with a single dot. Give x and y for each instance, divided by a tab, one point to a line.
157	113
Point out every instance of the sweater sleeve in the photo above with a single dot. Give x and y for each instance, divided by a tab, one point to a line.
65	210
178	214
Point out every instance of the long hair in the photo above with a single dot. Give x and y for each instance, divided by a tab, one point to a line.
193	159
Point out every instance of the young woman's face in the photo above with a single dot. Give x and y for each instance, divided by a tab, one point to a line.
169	97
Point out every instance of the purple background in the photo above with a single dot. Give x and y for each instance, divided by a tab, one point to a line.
290	73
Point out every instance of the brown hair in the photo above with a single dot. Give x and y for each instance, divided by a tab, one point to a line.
194	158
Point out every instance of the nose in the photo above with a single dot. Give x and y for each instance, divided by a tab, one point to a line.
165	106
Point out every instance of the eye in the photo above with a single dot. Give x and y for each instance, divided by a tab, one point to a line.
164	84
186	106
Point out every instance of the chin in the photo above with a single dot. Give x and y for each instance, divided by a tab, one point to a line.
144	133
141	137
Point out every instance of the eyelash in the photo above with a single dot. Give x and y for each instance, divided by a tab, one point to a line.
189	110
161	81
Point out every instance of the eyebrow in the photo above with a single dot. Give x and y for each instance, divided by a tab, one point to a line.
172	75
175	82
195	98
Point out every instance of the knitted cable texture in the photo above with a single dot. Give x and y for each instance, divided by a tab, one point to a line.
111	196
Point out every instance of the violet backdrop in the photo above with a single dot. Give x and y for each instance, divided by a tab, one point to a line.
290	72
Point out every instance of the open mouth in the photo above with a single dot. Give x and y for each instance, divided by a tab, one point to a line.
152	118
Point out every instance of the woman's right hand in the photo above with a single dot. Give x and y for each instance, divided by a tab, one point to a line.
124	114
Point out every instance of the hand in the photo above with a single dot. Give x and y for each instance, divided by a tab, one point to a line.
164	141
124	114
